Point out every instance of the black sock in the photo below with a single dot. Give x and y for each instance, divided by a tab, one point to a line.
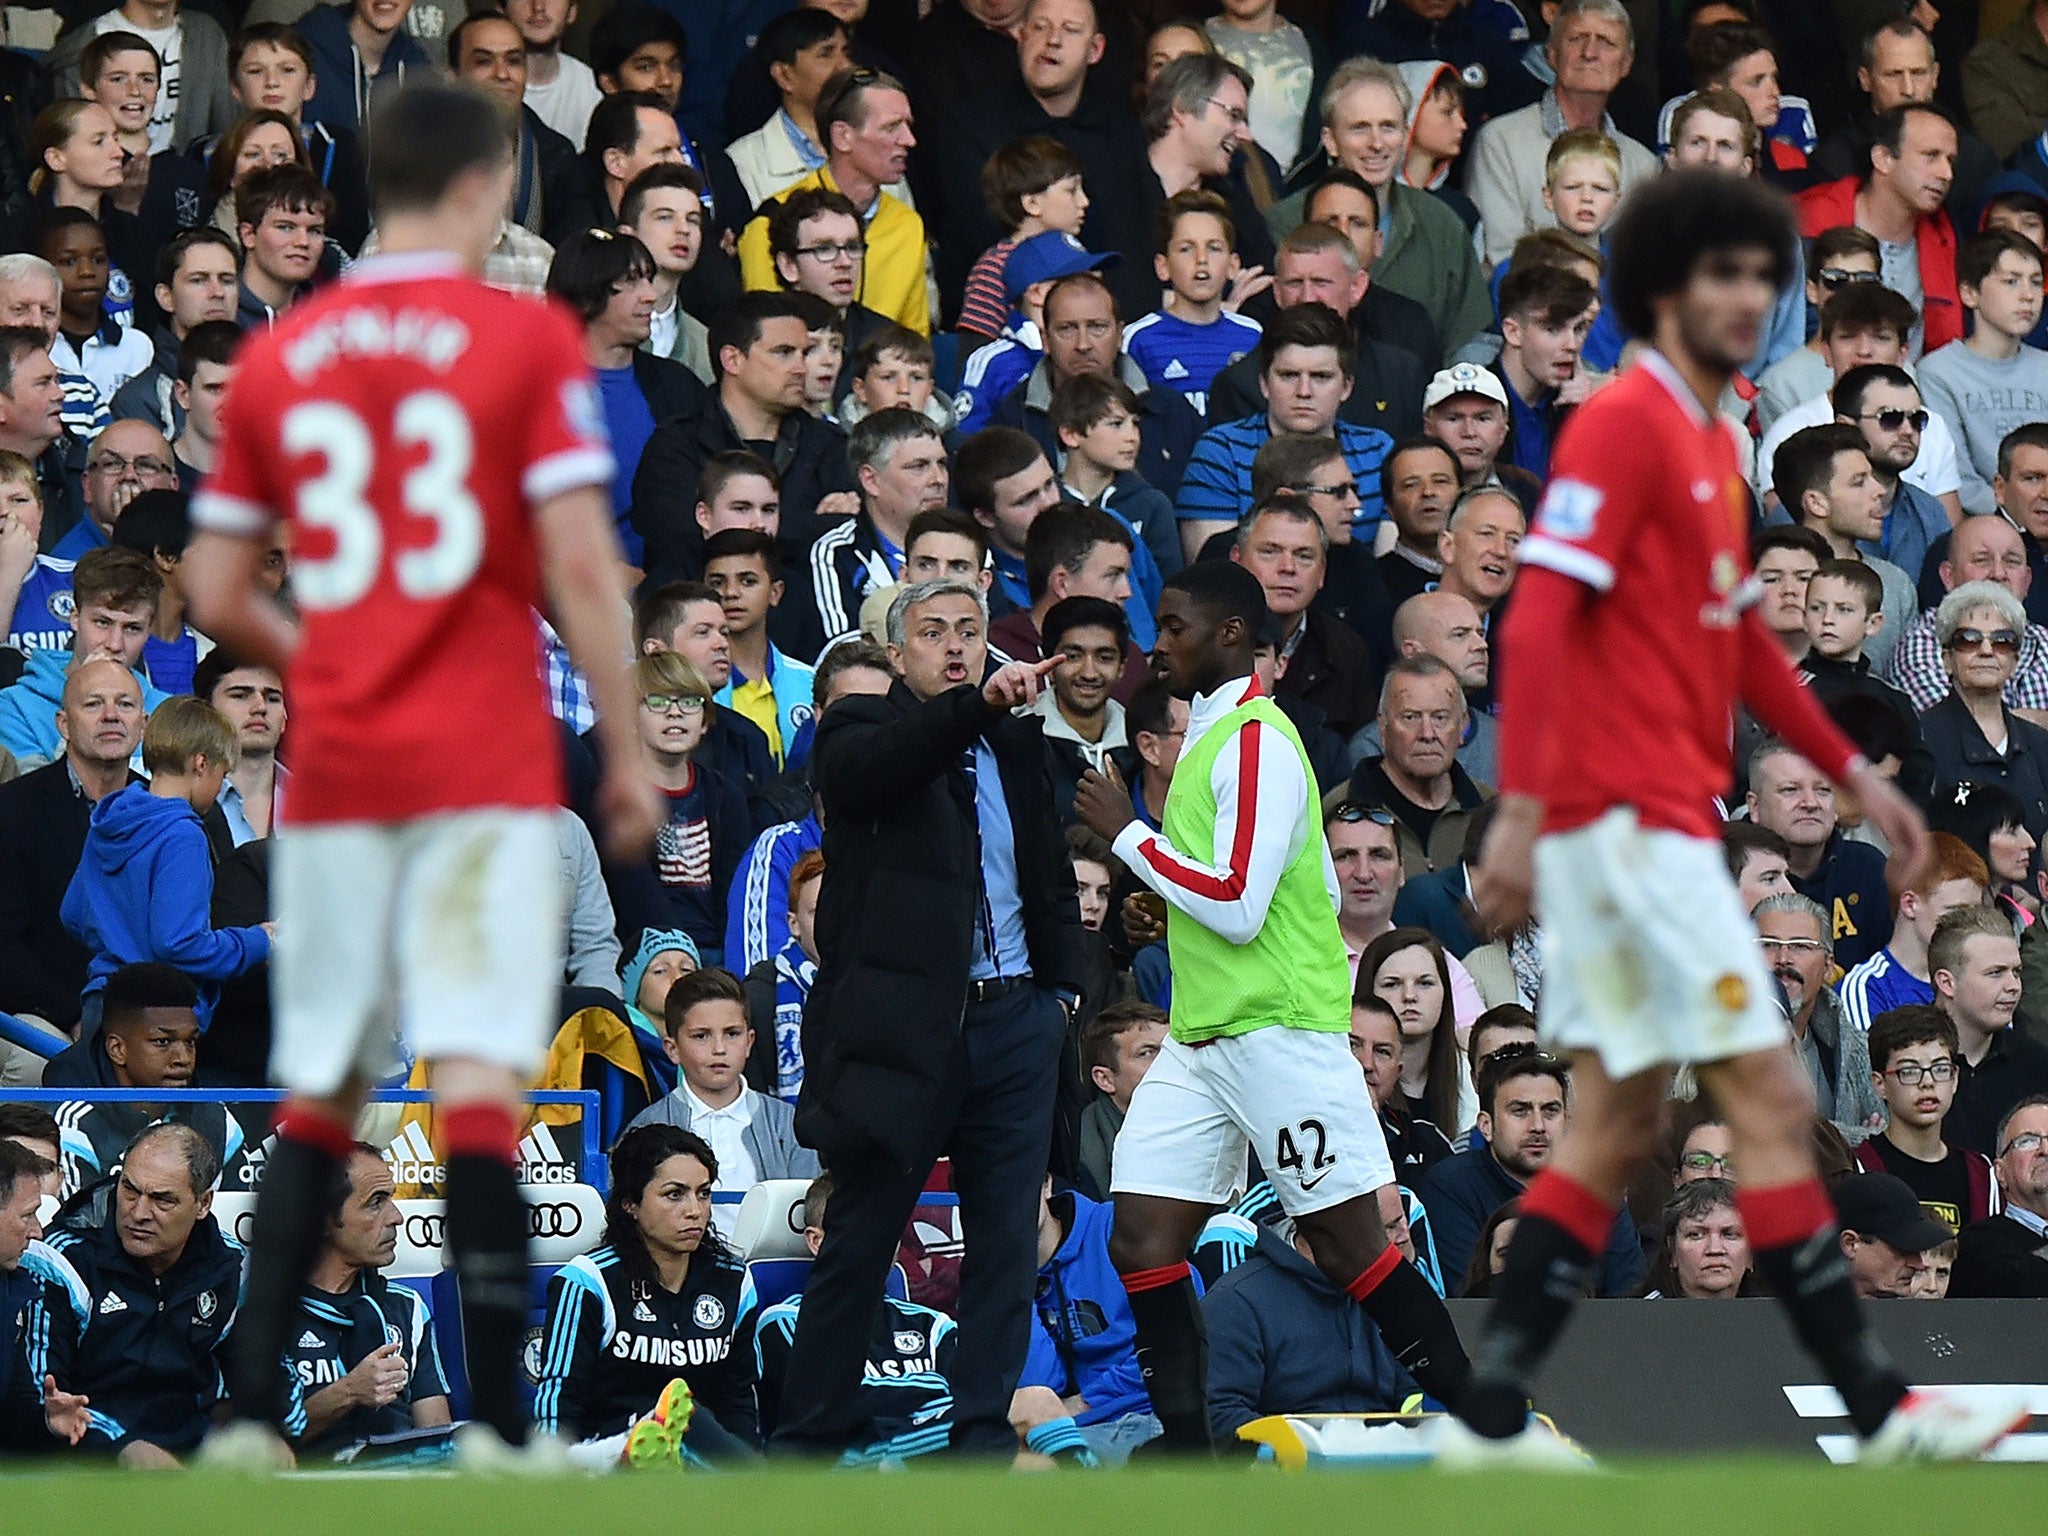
1547	1272
1173	1355
291	1220
487	1226
1811	1279
1417	1328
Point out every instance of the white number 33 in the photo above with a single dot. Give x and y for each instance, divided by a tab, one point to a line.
437	490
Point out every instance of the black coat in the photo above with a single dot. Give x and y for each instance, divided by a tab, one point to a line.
1999	1257
1386	390
43	821
896	912
670	389
1962	755
570	192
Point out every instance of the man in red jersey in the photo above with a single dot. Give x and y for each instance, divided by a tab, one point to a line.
437	450
1634	628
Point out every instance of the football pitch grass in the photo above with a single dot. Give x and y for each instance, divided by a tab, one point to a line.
1727	1496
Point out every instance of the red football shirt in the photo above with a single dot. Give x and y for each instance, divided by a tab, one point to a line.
405	422
1647	507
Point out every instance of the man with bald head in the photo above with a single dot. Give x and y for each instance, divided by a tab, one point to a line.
1447	626
130	457
1983	548
43	821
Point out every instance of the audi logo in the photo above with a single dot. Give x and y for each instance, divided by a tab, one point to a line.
555	1218
245	1226
427	1231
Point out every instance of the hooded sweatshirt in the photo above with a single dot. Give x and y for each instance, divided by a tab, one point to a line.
142	892
28	709
1083	1336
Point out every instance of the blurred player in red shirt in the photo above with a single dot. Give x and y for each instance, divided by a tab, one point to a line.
437	449
1633	637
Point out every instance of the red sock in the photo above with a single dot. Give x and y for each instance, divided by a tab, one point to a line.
1785	1214
1564	1202
317	1129
479	1130
1154	1279
1369	1280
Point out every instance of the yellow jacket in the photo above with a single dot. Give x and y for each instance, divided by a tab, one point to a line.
892	277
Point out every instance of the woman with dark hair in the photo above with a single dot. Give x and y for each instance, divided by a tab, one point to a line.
1992	823
1705	1252
1408	968
609	279
255	141
1490	1253
648	1353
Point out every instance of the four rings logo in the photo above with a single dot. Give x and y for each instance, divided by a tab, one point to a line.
553	1218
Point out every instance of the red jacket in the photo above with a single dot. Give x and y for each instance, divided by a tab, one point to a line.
1941	313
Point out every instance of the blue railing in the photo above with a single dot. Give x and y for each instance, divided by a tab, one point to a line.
37	1042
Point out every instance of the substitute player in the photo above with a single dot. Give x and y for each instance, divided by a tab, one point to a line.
1261	1004
436	446
1633	636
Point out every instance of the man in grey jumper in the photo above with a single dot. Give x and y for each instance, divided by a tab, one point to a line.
1991	381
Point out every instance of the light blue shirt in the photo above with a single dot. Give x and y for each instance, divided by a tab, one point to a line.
1001	925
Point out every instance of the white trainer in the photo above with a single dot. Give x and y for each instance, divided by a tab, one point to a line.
480	1451
247	1447
1536	1447
1937	1426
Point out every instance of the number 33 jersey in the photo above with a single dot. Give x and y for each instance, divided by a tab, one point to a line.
404	423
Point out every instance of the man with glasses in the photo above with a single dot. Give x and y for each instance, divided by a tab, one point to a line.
1799	954
130	457
2007	1255
1975	963
1913	1054
819	248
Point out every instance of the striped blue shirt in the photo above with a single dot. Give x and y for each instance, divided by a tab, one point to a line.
1879	985
1217	486
1179	355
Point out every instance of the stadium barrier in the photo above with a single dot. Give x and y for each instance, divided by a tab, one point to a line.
1685	1377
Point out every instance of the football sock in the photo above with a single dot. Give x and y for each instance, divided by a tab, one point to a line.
1798	1251
1173	1353
1550	1261
1061	1440
291	1220
487	1227
1414	1323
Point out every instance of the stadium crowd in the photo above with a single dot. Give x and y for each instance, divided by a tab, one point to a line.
930	338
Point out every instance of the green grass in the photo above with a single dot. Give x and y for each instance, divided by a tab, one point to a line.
1724	1496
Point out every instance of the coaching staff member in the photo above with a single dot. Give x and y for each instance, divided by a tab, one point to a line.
950	956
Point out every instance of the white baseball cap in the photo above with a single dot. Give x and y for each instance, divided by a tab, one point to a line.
1464	379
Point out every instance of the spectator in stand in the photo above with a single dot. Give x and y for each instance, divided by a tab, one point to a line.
1367	858
1423	251
1590	51
1084	336
1117	1049
816	243
157	525
1469	41
366	1357
663	956
1284	1339
1975	963
1981	550
1004	481
89	344
1416	775
142	1294
206	366
1082	724
281	219
1744	59
1157	723
865	121
125	460
1886	1234
1199	332
192	97
610	280
1414	1146
1990	381
114	603
1913	1056
767	687
1844	615
1794	799
1897	976
251	699
895	367
1912	453
1099	422
198	277
561	89
1898	198
145	880
1705	1252
32	425
1993	826
2003	78
43	823
1545	313
1410	971
630	133
1307	361
2002	1255
1523	1095
360	51
1759	861
1032	186
1841	269
1824	481
664	208
707	1034
1418	483
1284	543
758	346
35	589
80	164
1447	626
1314	469
1482	531
1973	734
800	51
1318	264
898	460
1799	954
685	882
780	986
270	68
688	617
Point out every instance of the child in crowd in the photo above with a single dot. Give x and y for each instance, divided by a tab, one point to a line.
1582	181
769	688
1545	313
1118	1050
1839	259
1095	873
1914	1061
35	589
1030	185
708	1037
1184	345
144	886
824	352
895	367
93	352
1898	975
1844	612
738	489
663	956
1990	381
2016	204
1097	422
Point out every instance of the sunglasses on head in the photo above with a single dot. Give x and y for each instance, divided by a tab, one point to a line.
1351	812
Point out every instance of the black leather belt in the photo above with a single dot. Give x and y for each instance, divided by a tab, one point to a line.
994	987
